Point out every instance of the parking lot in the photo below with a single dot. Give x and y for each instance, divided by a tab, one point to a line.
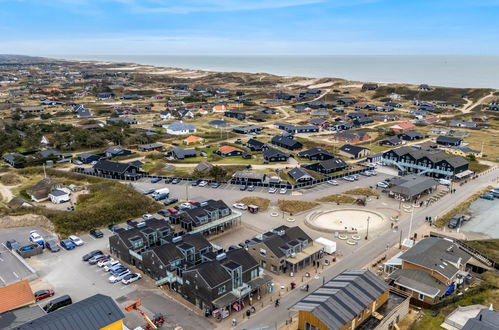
66	273
12	267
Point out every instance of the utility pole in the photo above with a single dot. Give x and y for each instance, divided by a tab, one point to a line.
410	223
367	231
400	239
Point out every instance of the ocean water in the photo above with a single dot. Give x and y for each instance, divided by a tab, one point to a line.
438	70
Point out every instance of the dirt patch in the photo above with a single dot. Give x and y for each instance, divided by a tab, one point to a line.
262	203
294	206
337	198
362	192
26	220
11	179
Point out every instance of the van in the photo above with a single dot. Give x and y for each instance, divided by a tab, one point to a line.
445	182
57	303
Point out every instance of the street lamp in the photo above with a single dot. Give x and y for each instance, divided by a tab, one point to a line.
187	192
367	231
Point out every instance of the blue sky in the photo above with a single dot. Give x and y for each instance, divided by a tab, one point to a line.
50	27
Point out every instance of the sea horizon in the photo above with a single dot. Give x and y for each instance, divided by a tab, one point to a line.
460	71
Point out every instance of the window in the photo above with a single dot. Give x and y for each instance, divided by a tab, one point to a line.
309	326
221	289
421	296
263	252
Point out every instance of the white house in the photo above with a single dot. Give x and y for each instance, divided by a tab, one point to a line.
179	128
60	195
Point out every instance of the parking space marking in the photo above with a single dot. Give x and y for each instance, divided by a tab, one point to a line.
17	276
1	259
1	279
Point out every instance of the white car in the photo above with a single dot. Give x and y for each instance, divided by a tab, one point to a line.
35	237
272	190
105	262
382	184
131	278
111	265
76	240
147	216
349	178
283	191
203	184
333	182
240	206
119	277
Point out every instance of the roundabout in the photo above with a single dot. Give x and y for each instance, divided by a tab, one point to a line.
347	220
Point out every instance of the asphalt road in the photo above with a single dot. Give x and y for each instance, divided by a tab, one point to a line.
270	317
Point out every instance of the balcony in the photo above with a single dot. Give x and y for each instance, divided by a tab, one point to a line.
169	278
401	165
135	255
242	291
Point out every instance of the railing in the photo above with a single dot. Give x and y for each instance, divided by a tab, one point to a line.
169	278
416	166
242	290
135	255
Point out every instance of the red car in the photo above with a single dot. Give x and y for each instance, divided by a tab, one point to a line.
42	294
172	210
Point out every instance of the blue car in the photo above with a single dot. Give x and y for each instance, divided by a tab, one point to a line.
67	244
155	180
487	196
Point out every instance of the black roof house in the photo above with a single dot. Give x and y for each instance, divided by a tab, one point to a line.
255	145
106	167
315	154
411	135
327	166
449	141
274	155
299	175
95	312
286	142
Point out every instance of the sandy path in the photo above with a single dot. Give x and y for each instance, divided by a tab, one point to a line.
6	193
467	108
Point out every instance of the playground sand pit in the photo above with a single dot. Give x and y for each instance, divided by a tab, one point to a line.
346	220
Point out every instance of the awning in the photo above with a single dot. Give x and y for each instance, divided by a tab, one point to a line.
225	300
305	253
464	174
259	281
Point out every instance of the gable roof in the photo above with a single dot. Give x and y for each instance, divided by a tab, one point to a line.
272	152
448	139
419	281
179	126
437	254
15	295
228	149
286	141
342	298
95	312
106	165
351	149
314	151
298	174
42	188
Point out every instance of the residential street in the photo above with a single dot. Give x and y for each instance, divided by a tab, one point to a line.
270	317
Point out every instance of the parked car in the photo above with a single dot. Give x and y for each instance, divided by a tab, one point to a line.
176	181
155	180
215	185
203	183
168	180
349	178
355	177
333	182
67	244
251	188
89	255
283	191
272	190
43	294
57	303
95	259
118	277
131	278
196	182
172	210
104	262
487	196
52	246
455	221
34	237
164	212
240	206
12	244
243	187
118	269
76	240
113	264
97	233
382	184
170	201
148	191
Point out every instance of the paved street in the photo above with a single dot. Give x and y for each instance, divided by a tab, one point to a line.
270	317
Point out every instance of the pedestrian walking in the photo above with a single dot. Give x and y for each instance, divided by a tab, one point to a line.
307	287
276	302
234	322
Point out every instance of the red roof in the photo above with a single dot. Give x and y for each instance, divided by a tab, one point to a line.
16	295
228	149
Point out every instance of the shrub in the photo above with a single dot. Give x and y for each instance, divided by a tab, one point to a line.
10	179
293	206
337	198
362	192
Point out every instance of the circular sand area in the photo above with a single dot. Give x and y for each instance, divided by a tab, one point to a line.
346	220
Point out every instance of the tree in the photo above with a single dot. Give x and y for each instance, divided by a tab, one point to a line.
218	173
